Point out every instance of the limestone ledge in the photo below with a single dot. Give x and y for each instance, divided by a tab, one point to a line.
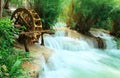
39	54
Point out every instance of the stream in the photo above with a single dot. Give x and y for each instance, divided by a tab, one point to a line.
78	57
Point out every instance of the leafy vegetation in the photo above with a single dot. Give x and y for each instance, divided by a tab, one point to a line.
83	14
115	16
48	11
16	3
102	12
118	42
10	58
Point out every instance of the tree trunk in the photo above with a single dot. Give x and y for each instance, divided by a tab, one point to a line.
0	8
70	14
27	4
6	6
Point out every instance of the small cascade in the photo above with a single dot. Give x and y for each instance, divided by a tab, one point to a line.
101	43
66	43
79	58
107	39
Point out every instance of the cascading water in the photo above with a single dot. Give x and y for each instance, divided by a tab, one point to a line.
76	58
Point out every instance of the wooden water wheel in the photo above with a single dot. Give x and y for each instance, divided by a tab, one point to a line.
32	22
28	18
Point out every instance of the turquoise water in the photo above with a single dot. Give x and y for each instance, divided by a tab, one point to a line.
78	58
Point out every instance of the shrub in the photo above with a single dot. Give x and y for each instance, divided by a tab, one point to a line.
10	59
102	13
118	42
115	16
90	13
48	11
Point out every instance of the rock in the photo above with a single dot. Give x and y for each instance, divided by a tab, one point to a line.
39	54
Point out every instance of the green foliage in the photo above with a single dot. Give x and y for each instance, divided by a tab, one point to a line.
94	7
104	24
84	6
83	15
102	13
16	3
118	42
48	11
6	32
95	13
115	16
10	59
105	13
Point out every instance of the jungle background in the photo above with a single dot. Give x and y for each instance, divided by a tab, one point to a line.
79	15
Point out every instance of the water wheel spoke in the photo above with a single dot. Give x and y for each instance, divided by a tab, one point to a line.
24	21
16	19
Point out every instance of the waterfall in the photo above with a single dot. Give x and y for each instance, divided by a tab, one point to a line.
78	58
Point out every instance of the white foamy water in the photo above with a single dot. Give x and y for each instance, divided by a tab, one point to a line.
75	58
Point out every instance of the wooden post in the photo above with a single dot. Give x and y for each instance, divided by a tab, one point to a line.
26	45
42	40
